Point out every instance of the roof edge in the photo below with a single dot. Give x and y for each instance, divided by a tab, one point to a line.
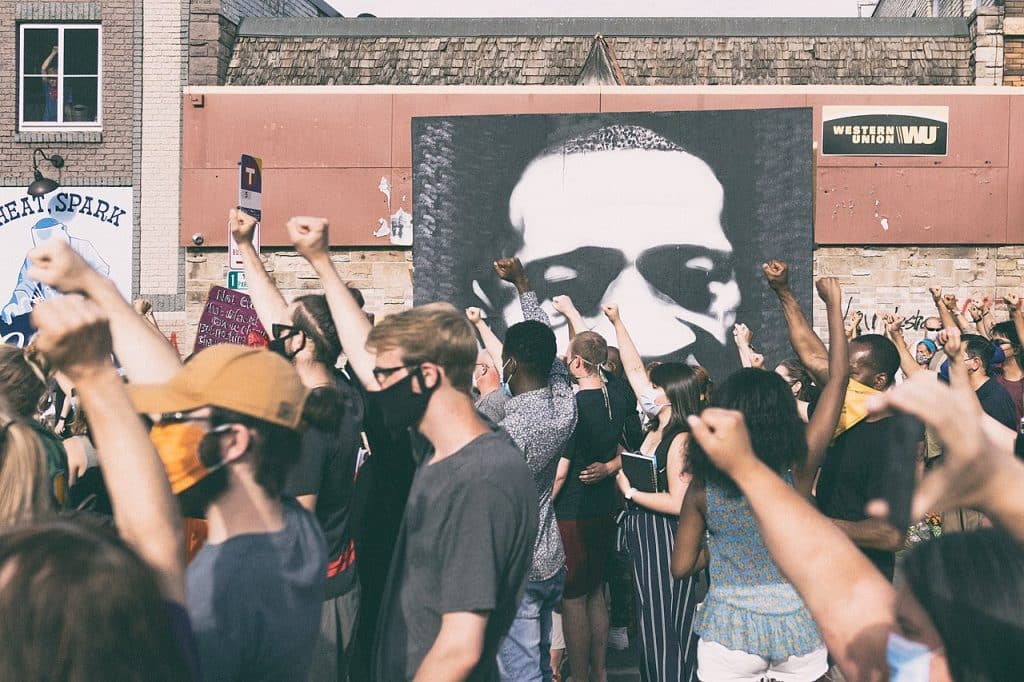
773	27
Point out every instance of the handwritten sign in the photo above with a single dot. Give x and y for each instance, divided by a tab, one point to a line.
229	317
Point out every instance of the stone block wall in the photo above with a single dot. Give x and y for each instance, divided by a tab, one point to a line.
383	275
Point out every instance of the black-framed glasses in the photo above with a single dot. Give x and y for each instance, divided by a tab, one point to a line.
283	331
381	374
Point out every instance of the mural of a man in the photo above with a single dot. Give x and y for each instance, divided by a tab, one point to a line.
596	229
27	290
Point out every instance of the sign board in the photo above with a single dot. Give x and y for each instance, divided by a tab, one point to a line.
228	317
96	221
236	281
250	200
884	131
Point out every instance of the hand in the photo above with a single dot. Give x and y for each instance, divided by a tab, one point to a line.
598	471
893	324
974	446
949	339
741	334
623	482
829	291
975	311
564	305
1012	301
74	335
936	293
611	311
56	264
756	360
308	236
510	270
243	226
475	315
142	306
853	325
949	300
53	51
723	436
777	274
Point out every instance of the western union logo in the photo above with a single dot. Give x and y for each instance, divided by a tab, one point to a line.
884	135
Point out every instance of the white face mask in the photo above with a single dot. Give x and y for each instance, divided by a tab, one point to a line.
649	402
908	661
931	335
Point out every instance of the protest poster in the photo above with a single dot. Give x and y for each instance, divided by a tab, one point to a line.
229	317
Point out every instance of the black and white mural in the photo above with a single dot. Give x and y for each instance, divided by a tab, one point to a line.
668	215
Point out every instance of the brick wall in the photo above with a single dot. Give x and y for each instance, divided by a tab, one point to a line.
92	158
213	25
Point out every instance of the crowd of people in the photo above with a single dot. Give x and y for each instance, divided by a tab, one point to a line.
418	499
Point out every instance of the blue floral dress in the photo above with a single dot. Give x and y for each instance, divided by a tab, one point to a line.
750	607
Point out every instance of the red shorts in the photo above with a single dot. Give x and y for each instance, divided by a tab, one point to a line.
588	543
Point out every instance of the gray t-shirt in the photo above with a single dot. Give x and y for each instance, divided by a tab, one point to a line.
465	545
255	601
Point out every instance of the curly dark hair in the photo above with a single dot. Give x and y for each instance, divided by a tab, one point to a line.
777	433
533	346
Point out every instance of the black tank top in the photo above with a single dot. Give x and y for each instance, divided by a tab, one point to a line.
661	455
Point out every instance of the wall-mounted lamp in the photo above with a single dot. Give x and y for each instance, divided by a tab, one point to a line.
43	185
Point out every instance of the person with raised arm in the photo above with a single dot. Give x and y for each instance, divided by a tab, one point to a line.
492	403
957	615
909	364
855	469
142	351
132	591
304	333
540	417
753	623
670	393
381	488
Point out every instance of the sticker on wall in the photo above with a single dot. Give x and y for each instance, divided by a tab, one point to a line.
884	131
97	223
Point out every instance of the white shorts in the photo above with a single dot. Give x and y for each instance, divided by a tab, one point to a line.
557	636
715	663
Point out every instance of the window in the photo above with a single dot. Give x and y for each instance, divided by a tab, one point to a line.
59	77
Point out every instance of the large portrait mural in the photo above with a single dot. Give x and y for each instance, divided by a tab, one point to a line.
668	215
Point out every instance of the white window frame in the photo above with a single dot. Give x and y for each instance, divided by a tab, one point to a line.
59	124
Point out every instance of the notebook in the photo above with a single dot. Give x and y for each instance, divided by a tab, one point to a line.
641	470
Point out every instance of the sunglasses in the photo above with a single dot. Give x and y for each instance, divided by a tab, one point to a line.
283	331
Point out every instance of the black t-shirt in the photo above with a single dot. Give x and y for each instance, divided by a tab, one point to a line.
853	474
327	469
632	436
466	544
997	403
600	419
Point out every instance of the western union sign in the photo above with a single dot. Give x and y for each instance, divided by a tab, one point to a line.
884	131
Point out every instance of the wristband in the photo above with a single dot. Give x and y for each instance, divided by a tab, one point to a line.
630	493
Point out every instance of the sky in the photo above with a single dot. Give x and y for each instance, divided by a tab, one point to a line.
602	8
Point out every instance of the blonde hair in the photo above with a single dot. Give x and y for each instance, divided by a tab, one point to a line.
436	332
592	347
24	480
22	379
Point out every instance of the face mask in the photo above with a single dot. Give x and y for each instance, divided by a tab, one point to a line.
648	402
923	359
931	335
178	445
908	661
399	406
504	379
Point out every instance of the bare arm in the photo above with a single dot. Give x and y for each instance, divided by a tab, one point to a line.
855	607
1013	305
894	331
742	336
268	302
74	335
632	363
49	60
805	342
310	238
666	502
560	475
457	648
147	357
492	344
567	308
689	553
830	405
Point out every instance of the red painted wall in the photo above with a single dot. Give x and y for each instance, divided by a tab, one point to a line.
325	151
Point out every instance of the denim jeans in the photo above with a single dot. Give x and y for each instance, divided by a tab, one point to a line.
525	655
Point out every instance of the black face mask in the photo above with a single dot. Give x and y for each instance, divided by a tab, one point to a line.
401	408
279	346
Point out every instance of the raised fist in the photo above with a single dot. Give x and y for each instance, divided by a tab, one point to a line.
243	226
475	315
308	235
742	334
611	311
74	335
509	269
777	274
563	304
56	264
829	290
